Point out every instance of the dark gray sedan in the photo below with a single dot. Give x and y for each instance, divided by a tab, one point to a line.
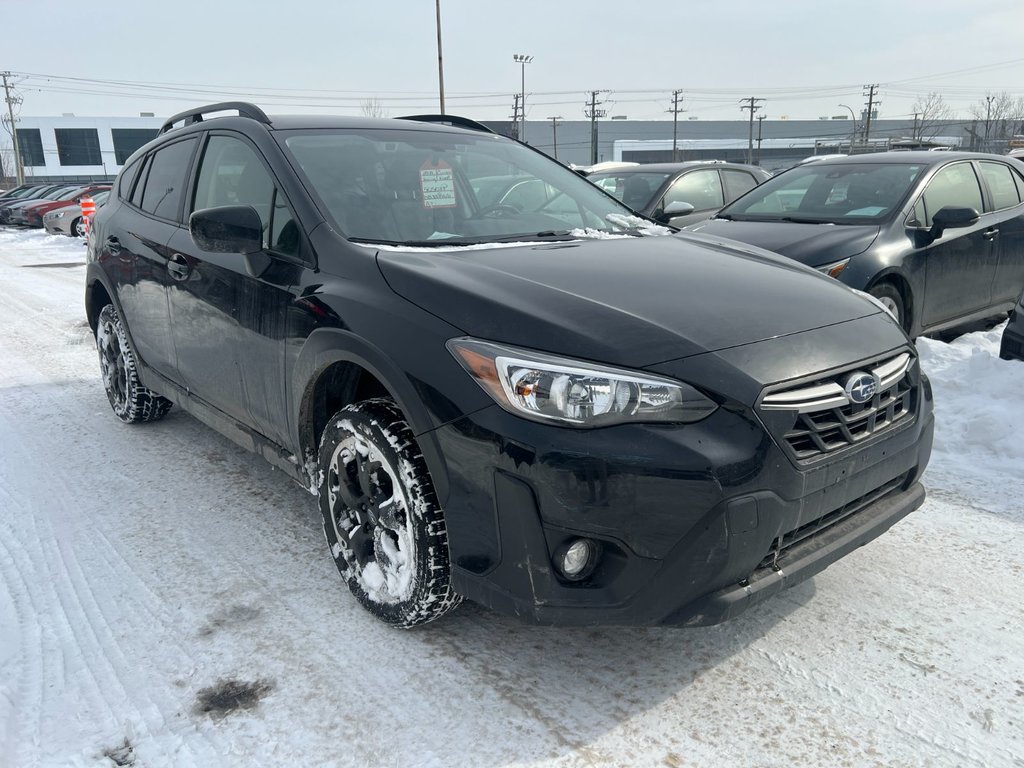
937	237
679	193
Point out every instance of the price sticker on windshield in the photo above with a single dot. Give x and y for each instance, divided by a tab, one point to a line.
437	183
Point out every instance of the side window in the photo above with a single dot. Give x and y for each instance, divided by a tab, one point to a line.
917	216
736	183
953	185
231	173
124	183
140	185
166	179
702	189
999	179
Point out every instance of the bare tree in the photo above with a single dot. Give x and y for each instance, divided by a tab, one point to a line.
373	108
1000	116
933	115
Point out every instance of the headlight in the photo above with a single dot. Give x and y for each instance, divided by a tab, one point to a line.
547	388
834	269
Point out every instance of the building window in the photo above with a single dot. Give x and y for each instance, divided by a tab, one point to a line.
30	145
78	146
127	140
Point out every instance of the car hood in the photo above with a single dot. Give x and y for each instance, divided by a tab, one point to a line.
810	244
631	301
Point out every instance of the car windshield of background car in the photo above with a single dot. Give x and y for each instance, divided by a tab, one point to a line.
825	193
432	188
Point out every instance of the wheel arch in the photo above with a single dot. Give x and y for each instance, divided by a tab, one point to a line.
97	295
336	368
900	282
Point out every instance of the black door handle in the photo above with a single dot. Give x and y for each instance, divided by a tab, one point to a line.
990	234
113	245
178	267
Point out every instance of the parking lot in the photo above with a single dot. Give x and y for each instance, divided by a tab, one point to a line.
166	599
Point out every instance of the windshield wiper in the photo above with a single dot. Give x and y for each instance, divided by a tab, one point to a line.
548	234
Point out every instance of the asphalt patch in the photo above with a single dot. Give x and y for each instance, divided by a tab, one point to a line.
227	696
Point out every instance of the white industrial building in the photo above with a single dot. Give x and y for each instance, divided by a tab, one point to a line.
73	148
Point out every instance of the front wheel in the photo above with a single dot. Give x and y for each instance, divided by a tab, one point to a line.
132	402
891	299
78	227
382	519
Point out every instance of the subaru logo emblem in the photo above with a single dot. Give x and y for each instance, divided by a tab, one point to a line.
860	387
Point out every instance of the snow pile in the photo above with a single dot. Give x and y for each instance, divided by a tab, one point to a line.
34	246
979	418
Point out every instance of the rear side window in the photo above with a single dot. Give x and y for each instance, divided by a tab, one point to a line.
999	179
737	183
124	182
166	180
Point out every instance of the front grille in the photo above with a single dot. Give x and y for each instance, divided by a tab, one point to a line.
820	417
815	527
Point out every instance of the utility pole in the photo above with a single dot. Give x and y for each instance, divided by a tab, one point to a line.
753	106
590	109
988	115
440	65
871	89
677	97
522	60
760	120
914	137
515	116
554	133
11	101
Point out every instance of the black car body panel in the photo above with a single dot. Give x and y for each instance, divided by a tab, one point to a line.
574	292
963	274
1011	345
693	521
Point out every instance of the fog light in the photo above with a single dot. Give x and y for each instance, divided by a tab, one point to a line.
577	559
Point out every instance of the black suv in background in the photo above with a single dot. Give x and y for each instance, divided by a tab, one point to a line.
557	412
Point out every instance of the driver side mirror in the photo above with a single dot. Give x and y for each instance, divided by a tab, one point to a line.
951	217
231	229
678	208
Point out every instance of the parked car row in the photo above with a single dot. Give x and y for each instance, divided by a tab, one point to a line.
31	205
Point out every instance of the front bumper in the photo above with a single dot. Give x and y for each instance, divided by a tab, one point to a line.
695	523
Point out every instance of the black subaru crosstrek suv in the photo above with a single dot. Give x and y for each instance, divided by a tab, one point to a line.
542	404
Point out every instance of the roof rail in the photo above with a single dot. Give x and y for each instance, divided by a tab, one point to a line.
453	120
244	108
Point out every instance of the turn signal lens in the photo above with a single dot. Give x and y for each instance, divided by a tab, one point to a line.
834	270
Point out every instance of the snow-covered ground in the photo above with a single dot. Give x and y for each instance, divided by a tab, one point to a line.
167	598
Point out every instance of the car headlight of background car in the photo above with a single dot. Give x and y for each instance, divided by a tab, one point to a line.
835	268
555	389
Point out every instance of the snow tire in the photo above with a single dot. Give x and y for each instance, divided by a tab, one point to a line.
132	402
383	523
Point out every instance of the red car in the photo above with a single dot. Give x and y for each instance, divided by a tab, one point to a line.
32	215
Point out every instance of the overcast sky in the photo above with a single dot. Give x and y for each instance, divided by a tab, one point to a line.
804	57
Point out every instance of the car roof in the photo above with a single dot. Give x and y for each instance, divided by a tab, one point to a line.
918	157
671	167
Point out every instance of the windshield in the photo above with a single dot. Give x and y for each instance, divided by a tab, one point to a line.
424	187
840	193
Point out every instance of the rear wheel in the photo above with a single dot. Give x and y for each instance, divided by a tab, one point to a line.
78	227
382	520
132	402
892	300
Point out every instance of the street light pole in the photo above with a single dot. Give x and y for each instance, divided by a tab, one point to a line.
440	64
522	60
853	132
